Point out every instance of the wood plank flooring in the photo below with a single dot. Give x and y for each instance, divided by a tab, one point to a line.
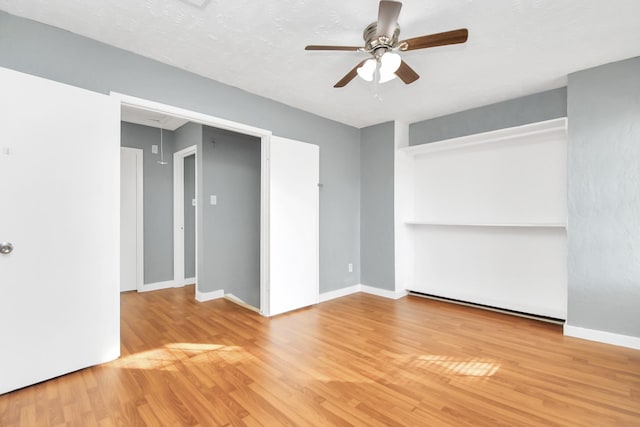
359	360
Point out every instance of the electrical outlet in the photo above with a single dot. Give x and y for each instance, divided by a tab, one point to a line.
350	268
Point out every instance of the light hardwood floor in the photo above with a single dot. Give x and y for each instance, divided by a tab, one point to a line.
358	360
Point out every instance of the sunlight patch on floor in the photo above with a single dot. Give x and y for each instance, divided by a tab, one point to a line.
169	355
470	367
195	347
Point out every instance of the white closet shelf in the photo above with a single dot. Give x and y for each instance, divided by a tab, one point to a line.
489	224
501	135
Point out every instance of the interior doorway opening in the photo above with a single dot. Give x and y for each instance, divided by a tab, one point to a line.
186	216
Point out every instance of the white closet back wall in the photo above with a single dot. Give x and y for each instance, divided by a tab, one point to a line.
487	219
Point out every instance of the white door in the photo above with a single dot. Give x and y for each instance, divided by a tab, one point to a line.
131	233
293	224
59	207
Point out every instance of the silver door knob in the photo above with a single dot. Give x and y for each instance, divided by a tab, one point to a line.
6	248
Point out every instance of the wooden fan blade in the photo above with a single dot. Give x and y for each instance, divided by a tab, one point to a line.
388	13
433	40
321	47
406	73
349	76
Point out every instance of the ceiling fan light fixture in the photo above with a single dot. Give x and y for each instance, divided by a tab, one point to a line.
389	64
381	40
366	71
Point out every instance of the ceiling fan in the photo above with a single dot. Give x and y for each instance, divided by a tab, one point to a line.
381	42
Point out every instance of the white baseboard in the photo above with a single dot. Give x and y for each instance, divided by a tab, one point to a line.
236	300
208	296
157	286
602	336
167	284
326	296
184	282
384	292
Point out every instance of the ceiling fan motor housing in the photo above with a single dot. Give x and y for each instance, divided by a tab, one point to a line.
375	43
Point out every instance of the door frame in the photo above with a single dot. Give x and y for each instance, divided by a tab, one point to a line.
178	214
139	216
265	136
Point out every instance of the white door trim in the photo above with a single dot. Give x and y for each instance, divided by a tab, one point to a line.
217	122
139	216
265	221
178	214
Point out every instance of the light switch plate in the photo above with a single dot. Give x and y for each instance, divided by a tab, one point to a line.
154	149
213	200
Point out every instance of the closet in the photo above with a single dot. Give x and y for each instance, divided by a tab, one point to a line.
485	218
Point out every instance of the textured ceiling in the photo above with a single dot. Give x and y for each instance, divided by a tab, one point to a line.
515	47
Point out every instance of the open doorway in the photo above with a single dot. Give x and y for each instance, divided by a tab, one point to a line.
214	174
286	177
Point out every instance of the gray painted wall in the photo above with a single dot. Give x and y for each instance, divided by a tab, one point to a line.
59	55
187	135
604	198
230	257
520	111
158	199
189	217
377	253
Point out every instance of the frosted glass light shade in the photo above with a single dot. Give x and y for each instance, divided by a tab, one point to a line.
366	71
389	64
